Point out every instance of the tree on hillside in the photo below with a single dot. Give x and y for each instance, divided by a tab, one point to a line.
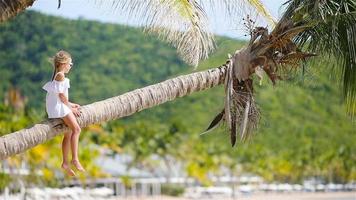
306	25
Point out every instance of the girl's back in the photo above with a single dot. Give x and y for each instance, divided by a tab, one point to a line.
54	106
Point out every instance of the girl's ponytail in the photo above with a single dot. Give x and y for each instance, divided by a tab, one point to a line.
51	60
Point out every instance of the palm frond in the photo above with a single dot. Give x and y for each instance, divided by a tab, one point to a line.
216	121
332	32
262	10
182	23
237	8
10	8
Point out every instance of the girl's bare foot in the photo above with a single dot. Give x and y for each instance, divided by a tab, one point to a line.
69	171
77	165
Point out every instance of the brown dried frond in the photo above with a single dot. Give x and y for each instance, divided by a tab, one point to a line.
247	115
10	8
244	108
282	26
297	56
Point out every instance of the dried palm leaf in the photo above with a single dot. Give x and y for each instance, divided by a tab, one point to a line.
10	8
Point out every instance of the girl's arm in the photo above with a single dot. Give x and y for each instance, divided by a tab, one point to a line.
64	99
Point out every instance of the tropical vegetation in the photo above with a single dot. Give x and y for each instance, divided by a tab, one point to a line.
304	130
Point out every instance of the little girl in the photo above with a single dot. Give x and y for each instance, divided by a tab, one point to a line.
58	106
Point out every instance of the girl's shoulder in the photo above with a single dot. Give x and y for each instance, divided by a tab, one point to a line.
64	80
65	83
57	86
59	76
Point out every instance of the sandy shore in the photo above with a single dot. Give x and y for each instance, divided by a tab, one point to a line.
261	196
303	196
271	196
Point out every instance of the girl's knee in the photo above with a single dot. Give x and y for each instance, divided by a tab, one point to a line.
77	130
68	134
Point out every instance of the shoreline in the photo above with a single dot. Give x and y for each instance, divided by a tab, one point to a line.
265	196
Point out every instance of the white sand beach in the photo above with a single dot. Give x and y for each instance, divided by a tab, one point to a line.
268	196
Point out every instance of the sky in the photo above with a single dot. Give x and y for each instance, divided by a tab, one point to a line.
98	10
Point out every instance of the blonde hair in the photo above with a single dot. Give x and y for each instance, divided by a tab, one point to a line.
61	57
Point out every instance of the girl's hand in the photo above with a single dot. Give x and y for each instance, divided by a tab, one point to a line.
74	105
76	111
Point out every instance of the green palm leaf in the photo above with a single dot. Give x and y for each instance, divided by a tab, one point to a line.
261	9
332	32
180	22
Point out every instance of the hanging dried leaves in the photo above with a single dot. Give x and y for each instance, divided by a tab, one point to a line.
274	53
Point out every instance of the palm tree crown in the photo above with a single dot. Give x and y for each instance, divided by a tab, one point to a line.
331	31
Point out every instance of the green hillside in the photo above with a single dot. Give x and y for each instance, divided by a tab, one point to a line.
108	59
304	130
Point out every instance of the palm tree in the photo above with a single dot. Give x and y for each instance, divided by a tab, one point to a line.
308	25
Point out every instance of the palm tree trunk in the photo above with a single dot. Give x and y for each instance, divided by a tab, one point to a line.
113	108
10	8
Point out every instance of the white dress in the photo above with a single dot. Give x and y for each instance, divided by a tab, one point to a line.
54	106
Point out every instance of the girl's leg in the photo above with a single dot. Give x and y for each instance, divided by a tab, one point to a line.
72	123
65	152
